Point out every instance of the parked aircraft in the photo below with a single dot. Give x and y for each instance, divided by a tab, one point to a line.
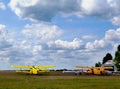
32	69
95	70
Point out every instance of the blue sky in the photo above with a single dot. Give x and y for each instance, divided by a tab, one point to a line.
73	32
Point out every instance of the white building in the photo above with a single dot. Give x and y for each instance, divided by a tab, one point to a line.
110	63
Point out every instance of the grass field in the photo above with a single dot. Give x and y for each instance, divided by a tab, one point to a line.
11	80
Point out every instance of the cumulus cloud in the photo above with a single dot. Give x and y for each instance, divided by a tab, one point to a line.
11	49
75	44
89	37
2	6
111	38
97	44
100	47
116	20
105	9
61	52
33	47
41	44
2	27
4	41
95	7
5	46
40	10
42	32
113	35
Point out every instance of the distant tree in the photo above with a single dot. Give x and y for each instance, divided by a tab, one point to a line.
118	47
107	57
98	64
117	58
104	60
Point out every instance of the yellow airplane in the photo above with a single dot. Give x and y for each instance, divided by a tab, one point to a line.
33	69
95	70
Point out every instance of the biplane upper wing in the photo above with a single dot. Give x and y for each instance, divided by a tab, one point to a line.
82	67
44	67
107	67
39	67
17	66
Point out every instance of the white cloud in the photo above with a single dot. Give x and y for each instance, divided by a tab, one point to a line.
116	20
108	44
111	38
41	44
2	27
34	46
2	6
3	31
97	44
95	7
37	48
42	9
113	35
75	44
106	9
45	10
4	41
42	32
89	37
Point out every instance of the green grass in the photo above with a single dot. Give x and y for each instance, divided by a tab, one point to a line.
59	82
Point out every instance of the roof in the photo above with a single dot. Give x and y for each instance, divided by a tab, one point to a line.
109	63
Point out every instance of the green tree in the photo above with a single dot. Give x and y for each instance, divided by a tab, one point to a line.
117	58
98	64
107	57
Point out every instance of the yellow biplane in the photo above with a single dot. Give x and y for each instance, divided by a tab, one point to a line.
33	69
95	70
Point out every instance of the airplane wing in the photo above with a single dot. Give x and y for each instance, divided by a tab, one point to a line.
44	67
16	66
39	67
107	67
82	67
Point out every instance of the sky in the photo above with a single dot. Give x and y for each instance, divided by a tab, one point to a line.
64	33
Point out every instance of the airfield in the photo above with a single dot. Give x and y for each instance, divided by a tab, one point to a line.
57	80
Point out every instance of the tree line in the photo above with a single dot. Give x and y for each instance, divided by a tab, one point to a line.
108	56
